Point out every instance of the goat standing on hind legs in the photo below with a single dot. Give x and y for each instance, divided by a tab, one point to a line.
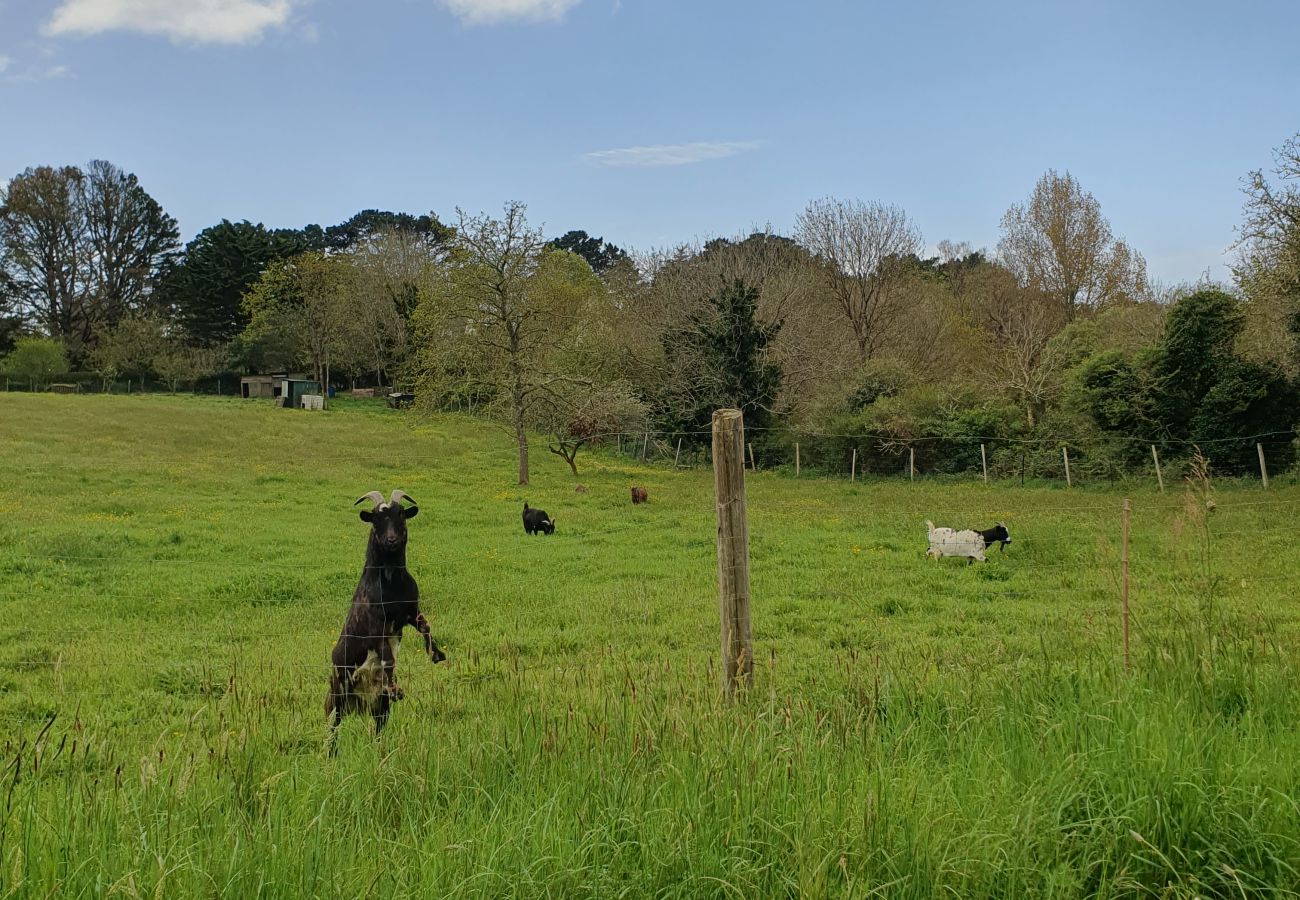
387	599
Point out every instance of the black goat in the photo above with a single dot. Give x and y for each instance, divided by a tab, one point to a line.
536	520
998	534
387	599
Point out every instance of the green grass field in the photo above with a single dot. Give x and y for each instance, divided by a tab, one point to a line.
174	571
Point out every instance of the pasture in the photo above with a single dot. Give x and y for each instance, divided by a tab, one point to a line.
174	570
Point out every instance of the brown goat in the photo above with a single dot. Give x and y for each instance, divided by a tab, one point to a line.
386	600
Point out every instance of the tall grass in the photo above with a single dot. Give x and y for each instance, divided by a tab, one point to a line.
173	572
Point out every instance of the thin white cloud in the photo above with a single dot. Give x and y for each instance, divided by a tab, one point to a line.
491	12
197	21
27	74
4	63
670	154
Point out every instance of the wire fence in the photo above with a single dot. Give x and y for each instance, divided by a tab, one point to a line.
1084	556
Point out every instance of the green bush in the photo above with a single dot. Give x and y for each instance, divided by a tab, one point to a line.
35	361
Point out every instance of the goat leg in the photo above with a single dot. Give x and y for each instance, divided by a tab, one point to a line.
331	722
422	626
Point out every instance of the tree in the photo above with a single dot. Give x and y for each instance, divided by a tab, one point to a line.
82	248
372	222
578	413
219	266
1193	387
1268	263
394	266
1017	324
599	253
495	321
720	357
310	298
1059	243
179	363
860	246
35	361
131	239
129	348
44	237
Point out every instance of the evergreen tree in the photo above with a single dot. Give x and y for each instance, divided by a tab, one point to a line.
721	360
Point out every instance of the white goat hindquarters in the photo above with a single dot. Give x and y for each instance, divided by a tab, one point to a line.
950	542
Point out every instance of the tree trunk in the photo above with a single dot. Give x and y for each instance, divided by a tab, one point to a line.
517	406
521	441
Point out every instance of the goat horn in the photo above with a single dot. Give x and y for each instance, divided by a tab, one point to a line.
398	496
373	496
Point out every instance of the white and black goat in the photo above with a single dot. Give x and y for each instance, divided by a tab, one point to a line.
967	543
387	599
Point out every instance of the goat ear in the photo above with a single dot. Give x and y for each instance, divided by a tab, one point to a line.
410	512
367	516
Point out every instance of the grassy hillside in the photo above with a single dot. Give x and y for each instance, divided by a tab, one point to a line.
173	572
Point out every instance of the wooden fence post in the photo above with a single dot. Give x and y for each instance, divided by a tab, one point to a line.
1160	478
752	467
796	459
678	456
1123	577
733	549
619	438
1263	467
1065	454
853	467
645	446
984	462
911	463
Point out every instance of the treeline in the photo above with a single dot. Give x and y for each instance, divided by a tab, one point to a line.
844	335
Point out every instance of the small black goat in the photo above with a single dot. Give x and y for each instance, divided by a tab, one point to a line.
998	534
387	599
536	520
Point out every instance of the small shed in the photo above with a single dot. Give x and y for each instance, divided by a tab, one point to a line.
292	388
254	386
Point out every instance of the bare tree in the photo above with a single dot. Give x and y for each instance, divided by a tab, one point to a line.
860	246
1059	243
1019	324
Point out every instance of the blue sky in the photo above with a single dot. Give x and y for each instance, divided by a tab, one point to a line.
658	121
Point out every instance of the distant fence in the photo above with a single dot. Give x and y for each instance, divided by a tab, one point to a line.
987	459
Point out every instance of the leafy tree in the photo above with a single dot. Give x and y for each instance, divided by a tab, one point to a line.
310	297
370	223
129	348
1059	243
83	248
495	323
1193	387
219	266
720	357
1197	347
1122	397
178	363
599	253
1268	266
35	361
